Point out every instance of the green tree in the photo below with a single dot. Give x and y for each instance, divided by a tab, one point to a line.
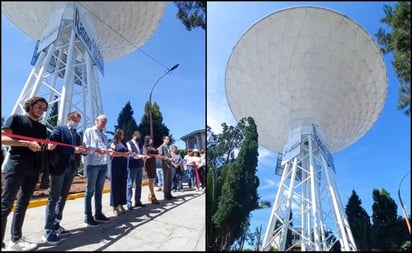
239	190
159	128
332	242
359	222
385	230
255	238
398	41
192	14
213	188
264	204
220	148
126	121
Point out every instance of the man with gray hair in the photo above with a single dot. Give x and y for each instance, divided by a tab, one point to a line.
95	139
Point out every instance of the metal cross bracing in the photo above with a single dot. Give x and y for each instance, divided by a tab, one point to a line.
307	213
64	73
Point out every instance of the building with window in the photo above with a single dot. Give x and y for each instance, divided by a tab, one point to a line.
195	139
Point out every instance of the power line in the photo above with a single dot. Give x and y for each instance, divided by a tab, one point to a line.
120	35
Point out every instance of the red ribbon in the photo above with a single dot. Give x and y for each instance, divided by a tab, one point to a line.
21	137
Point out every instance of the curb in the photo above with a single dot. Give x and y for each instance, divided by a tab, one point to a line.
43	201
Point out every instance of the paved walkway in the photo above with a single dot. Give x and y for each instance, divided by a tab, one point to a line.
174	225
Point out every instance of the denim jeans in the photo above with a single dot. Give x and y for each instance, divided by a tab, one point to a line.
96	175
177	179
134	175
59	189
159	174
190	174
20	173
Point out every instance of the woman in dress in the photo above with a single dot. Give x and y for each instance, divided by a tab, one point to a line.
150	166
197	163
118	173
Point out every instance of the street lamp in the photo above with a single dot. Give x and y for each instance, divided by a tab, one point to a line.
403	207
150	98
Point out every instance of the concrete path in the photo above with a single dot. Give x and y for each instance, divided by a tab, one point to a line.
174	225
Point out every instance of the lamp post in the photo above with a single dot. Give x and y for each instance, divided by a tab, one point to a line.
403	207
150	98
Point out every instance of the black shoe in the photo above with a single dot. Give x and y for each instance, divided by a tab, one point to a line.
61	231
130	208
140	205
90	222
101	218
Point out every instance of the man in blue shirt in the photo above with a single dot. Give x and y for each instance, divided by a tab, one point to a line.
96	169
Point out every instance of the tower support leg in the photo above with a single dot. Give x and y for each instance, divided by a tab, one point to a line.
307	213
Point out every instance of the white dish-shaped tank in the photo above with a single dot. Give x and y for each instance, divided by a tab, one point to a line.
307	65
121	27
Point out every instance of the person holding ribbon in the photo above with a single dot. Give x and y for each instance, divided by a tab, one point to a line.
61	176
95	139
118	175
150	166
164	152
22	168
135	171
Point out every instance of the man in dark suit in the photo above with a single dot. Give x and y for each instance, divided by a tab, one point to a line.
167	168
61	176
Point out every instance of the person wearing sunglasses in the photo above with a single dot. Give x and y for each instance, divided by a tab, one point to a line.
22	169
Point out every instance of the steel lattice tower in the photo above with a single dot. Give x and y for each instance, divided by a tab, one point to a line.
65	74
308	185
73	41
315	82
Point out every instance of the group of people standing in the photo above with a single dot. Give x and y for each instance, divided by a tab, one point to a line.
191	169
126	159
195	168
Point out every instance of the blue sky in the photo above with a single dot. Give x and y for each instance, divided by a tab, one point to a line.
378	160
180	95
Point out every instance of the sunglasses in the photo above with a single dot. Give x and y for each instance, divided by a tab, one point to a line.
37	106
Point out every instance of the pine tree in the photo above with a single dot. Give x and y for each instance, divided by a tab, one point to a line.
126	121
359	222
159	128
239	190
384	220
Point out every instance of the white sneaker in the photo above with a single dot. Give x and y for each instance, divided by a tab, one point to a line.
21	245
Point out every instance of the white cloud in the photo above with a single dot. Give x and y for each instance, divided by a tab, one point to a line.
269	183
